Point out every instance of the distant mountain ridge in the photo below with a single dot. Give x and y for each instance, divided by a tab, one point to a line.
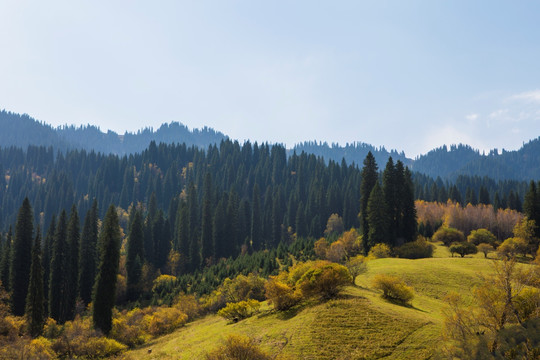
447	162
23	130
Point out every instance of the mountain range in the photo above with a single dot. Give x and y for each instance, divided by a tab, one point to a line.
447	162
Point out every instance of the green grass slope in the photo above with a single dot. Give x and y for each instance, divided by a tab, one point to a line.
359	325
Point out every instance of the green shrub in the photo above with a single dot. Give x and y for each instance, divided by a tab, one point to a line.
414	250
448	235
237	347
393	288
463	248
281	295
324	280
379	251
482	236
240	310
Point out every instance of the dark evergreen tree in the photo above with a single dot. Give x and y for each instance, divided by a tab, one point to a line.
391	187
182	234
88	254
207	249
46	260
193	221
377	217
531	206
35	314
408	223
104	295
483	196
5	262
219	229
21	258
369	179
59	280
256	221
135	255
73	241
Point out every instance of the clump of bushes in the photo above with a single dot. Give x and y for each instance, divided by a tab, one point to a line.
320	279
463	248
241	288
237	347
448	235
393	288
379	251
415	250
240	310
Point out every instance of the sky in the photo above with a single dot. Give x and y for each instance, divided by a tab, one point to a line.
406	75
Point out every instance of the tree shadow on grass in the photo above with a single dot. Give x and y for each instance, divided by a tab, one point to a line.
403	304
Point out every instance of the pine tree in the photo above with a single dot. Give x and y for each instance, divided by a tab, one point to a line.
105	285
59	279
135	248
34	300
46	260
377	217
73	241
21	258
256	220
483	197
219	229
207	249
391	187
531	206
408	223
369	179
193	216
88	254
5	262
182	234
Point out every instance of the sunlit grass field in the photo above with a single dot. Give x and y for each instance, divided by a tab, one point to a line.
358	325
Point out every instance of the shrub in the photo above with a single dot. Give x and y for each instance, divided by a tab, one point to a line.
237	347
463	248
321	248
482	236
281	295
379	251
324	280
189	305
127	327
234	290
415	250
51	329
356	266
448	235
512	247
485	248
240	310
164	320
40	349
393	288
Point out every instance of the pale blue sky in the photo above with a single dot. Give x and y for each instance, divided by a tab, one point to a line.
409	75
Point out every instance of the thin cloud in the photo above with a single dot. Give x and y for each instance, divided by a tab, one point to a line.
472	117
528	96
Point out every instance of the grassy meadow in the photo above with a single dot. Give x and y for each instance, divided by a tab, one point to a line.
358	325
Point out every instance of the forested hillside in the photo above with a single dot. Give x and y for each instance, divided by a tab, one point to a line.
22	131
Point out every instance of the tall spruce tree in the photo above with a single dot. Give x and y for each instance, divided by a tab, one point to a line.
105	285
182	234
35	314
207	249
5	262
377	217
391	187
46	261
21	258
531	206
219	229
193	216
408	224
59	279
88	254
369	179
256	220
73	240
135	255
